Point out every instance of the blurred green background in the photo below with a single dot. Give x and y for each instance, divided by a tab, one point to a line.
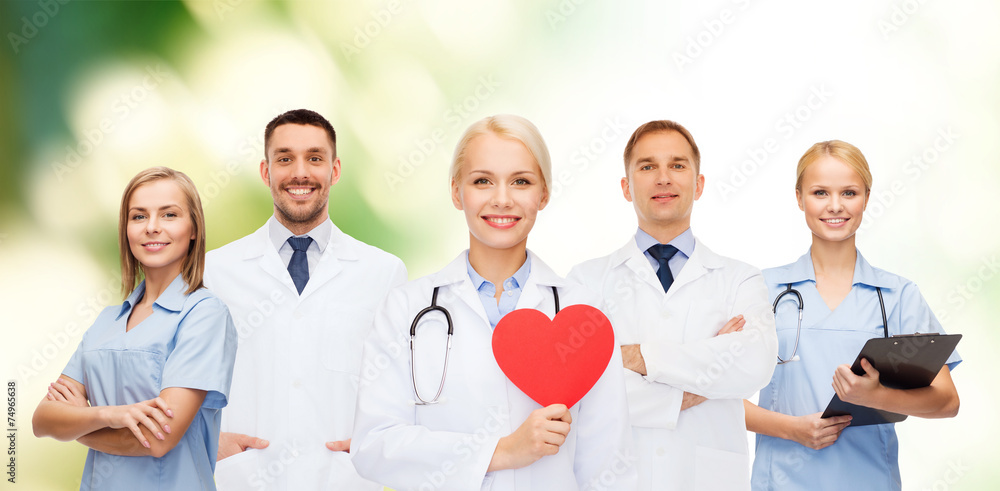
91	92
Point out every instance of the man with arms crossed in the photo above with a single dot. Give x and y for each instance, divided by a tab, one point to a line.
696	328
302	295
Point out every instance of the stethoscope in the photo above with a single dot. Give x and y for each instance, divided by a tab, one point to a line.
451	330
798	329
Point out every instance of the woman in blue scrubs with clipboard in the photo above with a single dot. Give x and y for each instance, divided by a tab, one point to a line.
840	298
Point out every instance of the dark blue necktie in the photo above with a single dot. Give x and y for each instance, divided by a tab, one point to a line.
298	267
662	253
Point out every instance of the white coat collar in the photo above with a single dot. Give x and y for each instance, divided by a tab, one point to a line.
339	248
456	272
535	292
701	261
279	234
338	243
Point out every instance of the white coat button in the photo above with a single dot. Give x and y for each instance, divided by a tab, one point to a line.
661	451
297	384
297	315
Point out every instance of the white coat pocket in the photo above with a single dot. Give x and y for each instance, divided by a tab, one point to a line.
344	338
234	472
720	470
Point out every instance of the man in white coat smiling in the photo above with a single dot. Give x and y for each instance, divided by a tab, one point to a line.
696	328
302	295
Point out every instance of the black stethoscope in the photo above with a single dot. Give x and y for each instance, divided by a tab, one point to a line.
798	329
451	330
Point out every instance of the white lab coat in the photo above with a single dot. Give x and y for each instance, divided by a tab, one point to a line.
296	374
449	445
704	447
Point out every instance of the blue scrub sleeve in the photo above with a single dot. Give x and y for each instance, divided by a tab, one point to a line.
204	353
74	369
916	316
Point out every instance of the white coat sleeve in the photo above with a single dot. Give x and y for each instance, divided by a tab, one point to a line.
398	275
730	366
387	446
604	451
652	404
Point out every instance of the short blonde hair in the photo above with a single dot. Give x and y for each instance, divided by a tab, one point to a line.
511	127
193	267
841	150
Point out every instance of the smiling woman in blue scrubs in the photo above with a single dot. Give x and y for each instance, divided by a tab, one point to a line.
796	449
145	387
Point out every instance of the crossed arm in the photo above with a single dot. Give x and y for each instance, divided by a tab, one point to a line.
665	379
147	428
633	360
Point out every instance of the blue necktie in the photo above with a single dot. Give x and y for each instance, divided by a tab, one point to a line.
662	253
298	267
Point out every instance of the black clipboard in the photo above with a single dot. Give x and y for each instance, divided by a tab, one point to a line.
907	361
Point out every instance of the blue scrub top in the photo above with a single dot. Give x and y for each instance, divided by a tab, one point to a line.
188	341
864	457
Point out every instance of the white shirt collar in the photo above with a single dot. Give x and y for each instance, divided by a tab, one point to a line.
320	234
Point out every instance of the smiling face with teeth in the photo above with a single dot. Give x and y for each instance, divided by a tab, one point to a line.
300	168
501	189
833	197
159	229
663	183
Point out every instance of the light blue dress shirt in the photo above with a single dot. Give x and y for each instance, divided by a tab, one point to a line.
188	341
320	235
683	242
511	290
863	457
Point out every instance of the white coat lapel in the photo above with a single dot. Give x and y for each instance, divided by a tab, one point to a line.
531	297
537	291
636	261
456	286
267	258
331	263
701	261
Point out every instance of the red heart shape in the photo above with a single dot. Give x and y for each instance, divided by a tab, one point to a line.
558	360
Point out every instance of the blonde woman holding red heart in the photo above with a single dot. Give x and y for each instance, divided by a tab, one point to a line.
440	413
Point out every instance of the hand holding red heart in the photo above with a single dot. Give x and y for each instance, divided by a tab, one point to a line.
541	434
555	362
